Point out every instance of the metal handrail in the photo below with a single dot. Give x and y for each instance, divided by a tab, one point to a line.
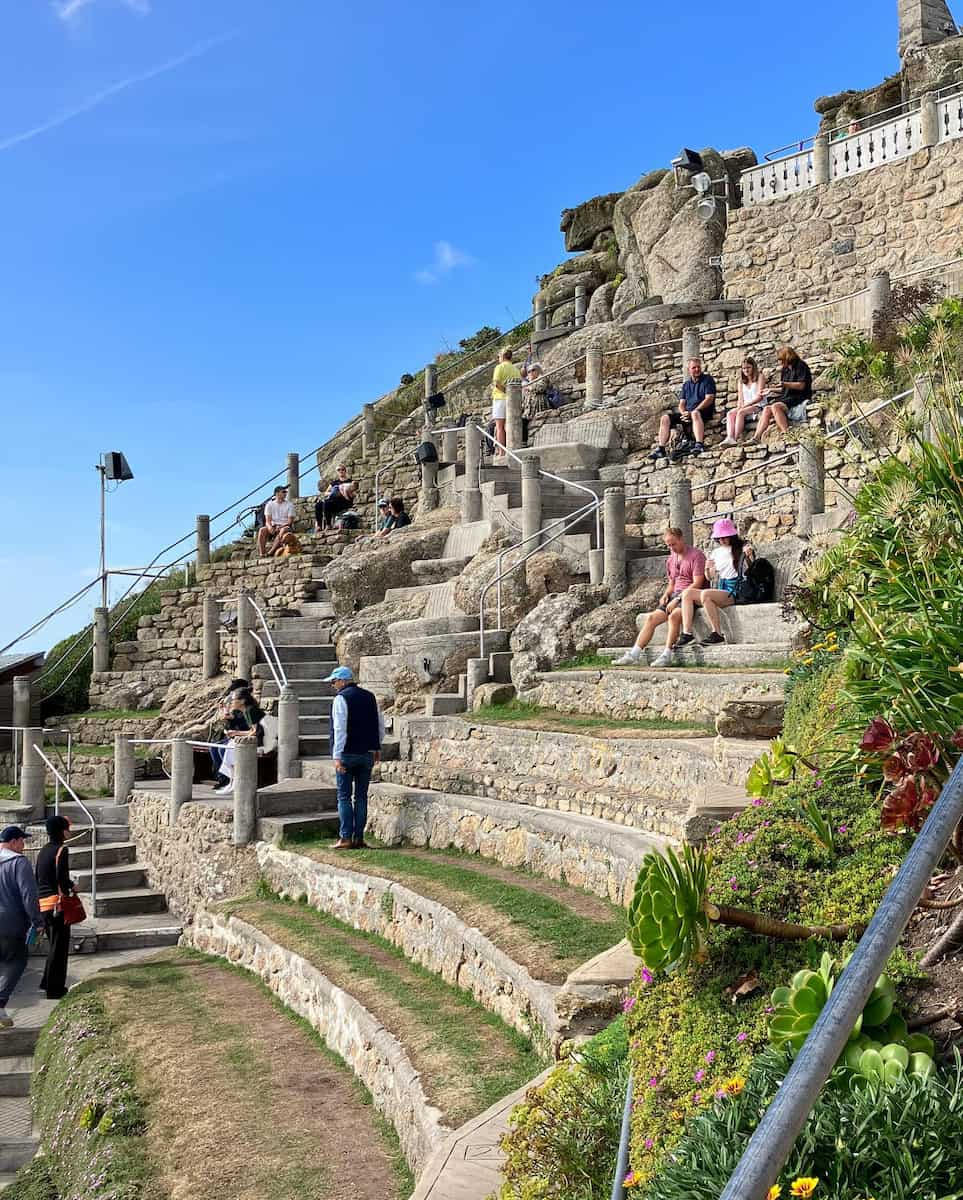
93	828
787	151
571	520
597	500
276	667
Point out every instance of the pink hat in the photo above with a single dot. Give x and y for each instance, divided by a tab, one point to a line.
724	527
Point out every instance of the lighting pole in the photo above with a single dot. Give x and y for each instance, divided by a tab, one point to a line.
114	466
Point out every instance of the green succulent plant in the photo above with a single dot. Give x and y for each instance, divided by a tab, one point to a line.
771	770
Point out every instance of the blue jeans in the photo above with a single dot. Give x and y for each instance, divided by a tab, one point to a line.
356	775
217	756
13	963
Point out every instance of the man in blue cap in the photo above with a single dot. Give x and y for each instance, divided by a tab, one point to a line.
357	730
19	914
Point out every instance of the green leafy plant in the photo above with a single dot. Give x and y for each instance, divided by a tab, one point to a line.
777	768
858	357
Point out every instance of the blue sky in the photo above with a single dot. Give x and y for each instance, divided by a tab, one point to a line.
228	223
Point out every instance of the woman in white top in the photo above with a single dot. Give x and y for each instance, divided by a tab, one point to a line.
752	385
723	567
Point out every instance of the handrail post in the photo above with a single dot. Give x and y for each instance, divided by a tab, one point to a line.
471	499
245	791
929	120
593	376
33	773
541	320
514	437
294	476
123	768
691	347
289	732
580	305
877	299
614	575
21	714
202	556
531	499
428	500
245	643
210	638
449	446
821	158
812	493
101	641
680	505
182	776
368	439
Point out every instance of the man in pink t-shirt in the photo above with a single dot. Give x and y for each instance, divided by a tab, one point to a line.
686	568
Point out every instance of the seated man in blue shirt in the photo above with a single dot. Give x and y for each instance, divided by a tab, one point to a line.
697	404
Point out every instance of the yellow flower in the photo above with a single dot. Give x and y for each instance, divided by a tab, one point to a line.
676	1114
957	670
734	1086
805	1185
774	1192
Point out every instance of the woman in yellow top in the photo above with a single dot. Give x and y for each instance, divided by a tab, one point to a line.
505	373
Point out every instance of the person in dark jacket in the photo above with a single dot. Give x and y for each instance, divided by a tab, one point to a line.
19	914
357	730
53	879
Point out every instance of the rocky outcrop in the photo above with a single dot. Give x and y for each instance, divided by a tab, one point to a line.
361	579
516	600
546	635
366	632
583	224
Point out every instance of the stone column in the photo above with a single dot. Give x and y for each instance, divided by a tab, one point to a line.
123	768
821	158
929	120
596	564
581	305
593	376
531	502
101	641
614	573
210	638
428	500
246	646
289	734
812	491
878	293
680	505
33	773
294	470
690	347
513	416
449	446
477	674
471	499
182	776
368	440
245	791
21	709
203	555
540	319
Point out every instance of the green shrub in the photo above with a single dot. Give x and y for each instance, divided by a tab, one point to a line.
33	1182
899	1140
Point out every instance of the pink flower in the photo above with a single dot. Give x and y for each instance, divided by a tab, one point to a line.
741	1037
844	829
649	1143
711	1057
653	1082
628	1004
699	1075
697	1098
647	976
757	802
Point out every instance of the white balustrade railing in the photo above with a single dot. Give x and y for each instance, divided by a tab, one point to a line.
875	146
779	178
950	113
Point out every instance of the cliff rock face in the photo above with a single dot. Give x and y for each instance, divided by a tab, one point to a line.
583	224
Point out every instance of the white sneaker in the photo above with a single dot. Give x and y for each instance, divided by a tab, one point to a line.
228	787
730	442
6	1021
666	658
631	658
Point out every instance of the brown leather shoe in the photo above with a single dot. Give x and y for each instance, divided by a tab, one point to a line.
341	844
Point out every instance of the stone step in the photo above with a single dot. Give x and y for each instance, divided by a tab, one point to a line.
15	1152
443	704
403	631
298	652
316	609
275	829
735	657
311	688
295	796
104	812
313	745
297	672
438	570
110	854
127	902
115	878
439	647
675	695
315	708
106	934
6	1179
15	1073
80	834
300	637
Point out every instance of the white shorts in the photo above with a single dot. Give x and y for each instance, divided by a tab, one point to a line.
499	408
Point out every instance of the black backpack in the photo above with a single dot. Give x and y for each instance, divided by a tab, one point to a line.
756	583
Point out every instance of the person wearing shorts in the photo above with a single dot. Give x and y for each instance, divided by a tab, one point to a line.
697	404
505	373
724	566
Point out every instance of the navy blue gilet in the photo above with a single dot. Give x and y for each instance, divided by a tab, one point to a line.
364	732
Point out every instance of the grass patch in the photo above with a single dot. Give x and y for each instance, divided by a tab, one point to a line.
9	791
467	1057
604	662
118	714
517	712
549	927
88	750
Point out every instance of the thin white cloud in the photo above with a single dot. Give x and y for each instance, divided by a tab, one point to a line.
447	258
69	10
107	93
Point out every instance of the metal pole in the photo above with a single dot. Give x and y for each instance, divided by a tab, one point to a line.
102	471
622	1163
773	1139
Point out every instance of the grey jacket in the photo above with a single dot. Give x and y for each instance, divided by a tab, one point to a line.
19	905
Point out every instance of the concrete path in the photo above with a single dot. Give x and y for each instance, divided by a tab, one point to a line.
468	1165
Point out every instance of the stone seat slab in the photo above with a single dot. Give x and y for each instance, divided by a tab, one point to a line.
615	967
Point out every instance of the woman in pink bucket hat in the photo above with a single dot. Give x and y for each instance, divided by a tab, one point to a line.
724	566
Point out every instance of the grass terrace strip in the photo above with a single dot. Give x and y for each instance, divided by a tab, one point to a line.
531	716
604	662
547	927
466	1056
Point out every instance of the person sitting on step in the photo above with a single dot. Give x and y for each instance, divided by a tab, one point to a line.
243	722
686	568
752	385
384	513
339	498
278	520
795	388
726	564
697	404
397	517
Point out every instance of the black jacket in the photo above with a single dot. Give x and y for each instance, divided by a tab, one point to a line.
49	879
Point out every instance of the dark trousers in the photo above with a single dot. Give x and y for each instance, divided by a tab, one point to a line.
327	509
13	963
54	981
353	811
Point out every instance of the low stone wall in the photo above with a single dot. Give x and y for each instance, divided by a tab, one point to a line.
596	857
377	1058
427	933
196	862
99	731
